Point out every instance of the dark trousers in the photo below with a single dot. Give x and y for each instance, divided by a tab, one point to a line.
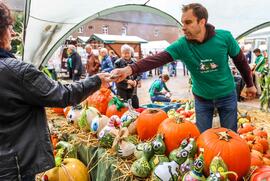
129	94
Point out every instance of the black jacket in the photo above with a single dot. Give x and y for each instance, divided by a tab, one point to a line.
25	147
76	62
121	63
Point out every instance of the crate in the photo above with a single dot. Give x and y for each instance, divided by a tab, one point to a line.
166	107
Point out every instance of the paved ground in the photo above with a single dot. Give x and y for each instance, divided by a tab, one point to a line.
180	89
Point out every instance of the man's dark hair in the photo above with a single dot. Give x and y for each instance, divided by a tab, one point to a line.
198	10
256	50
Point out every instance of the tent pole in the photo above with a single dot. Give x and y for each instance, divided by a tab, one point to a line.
25	23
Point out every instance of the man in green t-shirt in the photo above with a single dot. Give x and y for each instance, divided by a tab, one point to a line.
205	52
258	68
156	87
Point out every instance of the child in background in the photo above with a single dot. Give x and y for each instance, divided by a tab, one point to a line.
156	93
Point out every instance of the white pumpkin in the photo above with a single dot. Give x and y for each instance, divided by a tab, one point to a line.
98	123
91	113
73	116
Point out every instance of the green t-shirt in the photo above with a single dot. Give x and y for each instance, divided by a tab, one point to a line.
208	63
157	85
260	62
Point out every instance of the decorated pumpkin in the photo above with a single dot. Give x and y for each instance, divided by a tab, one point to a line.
195	174
100	100
141	167
175	130
87	115
148	122
219	170
176	154
260	174
98	123
166	171
159	149
106	137
116	107
129	116
115	122
231	148
74	115
138	152
121	143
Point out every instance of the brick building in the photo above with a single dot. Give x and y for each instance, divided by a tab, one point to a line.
148	26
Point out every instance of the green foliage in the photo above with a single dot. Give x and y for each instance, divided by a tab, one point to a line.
17	42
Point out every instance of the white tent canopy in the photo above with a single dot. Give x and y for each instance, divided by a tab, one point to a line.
50	21
154	46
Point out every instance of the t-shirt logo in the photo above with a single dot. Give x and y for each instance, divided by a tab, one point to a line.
208	65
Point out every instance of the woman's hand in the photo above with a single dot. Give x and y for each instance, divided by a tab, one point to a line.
105	79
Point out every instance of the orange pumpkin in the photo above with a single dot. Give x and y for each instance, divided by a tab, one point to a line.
261	133
70	169
100	100
230	146
257	146
264	143
174	130
256	161
58	110
245	128
148	122
116	107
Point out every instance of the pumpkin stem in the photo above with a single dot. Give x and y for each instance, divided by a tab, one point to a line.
153	111
224	136
179	120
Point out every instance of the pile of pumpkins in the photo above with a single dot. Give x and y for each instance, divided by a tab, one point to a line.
217	154
173	148
257	139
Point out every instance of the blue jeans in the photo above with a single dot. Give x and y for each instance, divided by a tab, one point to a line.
227	110
160	98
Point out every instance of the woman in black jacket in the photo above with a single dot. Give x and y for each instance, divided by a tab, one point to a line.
127	89
25	146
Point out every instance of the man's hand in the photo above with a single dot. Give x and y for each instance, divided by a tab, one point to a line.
251	91
105	79
120	74
75	71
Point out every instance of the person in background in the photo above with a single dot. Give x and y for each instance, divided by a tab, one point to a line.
113	56
93	64
106	62
127	89
156	93
258	68
25	145
205	52
75	63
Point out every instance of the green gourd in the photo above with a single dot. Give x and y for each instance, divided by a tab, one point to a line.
159	149
176	155
141	167
196	172
219	170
